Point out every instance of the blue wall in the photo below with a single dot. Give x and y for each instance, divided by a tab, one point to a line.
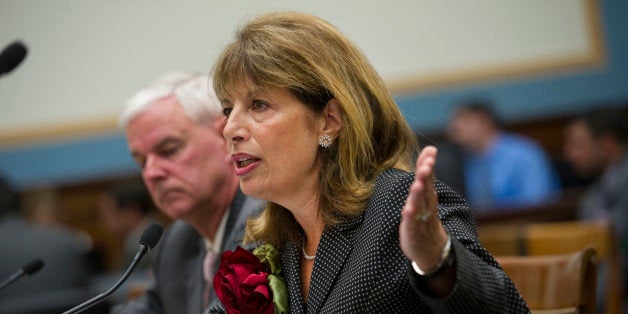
107	156
68	162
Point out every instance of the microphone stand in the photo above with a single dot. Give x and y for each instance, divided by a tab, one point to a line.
28	269
11	279
93	301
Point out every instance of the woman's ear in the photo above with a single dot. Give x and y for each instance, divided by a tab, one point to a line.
332	118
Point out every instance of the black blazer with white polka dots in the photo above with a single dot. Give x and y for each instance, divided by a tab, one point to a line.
359	266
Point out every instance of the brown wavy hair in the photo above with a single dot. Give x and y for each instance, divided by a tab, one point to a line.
315	62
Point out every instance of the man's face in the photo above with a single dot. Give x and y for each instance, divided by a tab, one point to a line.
183	162
582	149
467	128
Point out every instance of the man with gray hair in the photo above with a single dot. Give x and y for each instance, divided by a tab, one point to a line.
174	133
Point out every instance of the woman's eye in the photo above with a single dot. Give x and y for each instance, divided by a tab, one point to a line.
258	105
226	111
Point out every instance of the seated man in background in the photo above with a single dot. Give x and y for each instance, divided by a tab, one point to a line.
125	210
596	144
61	283
501	169
174	133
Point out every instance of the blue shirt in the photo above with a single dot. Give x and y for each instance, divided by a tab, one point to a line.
513	172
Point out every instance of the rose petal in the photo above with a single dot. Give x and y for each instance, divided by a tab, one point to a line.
256	292
241	283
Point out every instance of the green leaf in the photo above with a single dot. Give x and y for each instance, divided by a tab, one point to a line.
280	294
268	255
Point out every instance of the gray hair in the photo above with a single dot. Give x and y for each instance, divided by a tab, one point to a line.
193	92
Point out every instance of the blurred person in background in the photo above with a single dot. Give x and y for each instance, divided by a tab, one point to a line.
126	210
501	170
42	207
62	282
174	133
596	144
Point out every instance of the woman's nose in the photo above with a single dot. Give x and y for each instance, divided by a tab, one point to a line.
234	130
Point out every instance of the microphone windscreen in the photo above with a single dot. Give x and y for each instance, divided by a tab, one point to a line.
33	266
12	56
151	235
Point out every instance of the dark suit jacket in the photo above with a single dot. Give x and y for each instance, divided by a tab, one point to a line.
359	265
178	264
61	283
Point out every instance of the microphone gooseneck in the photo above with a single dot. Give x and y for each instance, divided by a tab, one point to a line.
149	239
28	269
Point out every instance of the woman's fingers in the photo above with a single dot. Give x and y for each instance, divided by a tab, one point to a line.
420	197
421	232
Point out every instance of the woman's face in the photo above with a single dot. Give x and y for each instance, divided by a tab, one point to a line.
273	141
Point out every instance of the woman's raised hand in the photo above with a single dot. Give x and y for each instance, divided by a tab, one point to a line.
421	233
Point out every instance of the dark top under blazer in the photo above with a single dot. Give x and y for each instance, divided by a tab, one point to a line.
178	264
359	265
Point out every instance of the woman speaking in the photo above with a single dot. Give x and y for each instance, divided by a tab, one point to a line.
359	226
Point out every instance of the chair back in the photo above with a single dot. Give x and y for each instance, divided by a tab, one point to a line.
559	283
570	236
548	238
502	239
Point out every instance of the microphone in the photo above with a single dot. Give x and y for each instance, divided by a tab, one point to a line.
28	269
149	239
11	57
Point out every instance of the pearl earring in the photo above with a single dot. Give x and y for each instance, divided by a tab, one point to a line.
325	141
